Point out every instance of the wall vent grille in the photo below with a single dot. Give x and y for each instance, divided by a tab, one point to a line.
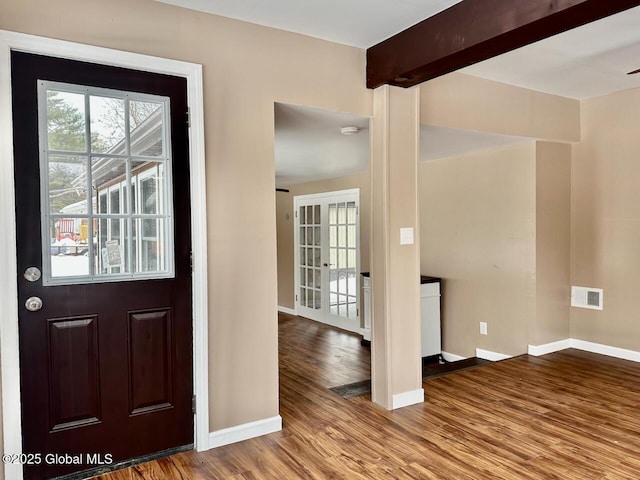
586	297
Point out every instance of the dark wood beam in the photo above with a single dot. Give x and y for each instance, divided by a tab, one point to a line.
474	30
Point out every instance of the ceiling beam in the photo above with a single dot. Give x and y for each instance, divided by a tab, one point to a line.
474	30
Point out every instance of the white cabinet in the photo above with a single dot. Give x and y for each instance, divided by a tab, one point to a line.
366	291
429	314
430	318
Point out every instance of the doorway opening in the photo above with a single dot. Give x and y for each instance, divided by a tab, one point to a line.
323	218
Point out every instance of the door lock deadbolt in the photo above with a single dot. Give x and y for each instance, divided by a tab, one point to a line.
32	274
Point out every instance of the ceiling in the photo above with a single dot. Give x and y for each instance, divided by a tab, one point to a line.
339	21
586	62
310	147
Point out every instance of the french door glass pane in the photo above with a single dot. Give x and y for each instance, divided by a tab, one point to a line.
351	213
303	296
317	301
332	214
342	213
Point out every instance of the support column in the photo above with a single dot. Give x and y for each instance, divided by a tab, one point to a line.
395	261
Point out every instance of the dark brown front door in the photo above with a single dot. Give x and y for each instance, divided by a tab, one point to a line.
102	210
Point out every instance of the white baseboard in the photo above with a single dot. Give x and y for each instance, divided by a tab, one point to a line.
537	350
599	348
245	431
452	357
492	356
616	352
290	311
407	398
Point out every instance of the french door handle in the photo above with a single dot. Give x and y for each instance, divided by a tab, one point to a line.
327	264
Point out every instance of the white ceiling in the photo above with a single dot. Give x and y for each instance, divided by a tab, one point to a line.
360	23
310	147
586	62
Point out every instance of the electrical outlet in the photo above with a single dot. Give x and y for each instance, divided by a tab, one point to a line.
483	328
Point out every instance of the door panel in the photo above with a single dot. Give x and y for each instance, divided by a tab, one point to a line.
150	355
74	380
106	368
310	295
327	258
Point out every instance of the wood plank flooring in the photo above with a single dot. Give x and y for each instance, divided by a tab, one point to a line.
567	415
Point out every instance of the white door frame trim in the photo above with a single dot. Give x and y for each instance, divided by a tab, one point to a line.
9	346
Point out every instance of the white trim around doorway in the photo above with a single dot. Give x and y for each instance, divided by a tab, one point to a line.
9	346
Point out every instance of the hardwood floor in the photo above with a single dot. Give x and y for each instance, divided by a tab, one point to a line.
567	415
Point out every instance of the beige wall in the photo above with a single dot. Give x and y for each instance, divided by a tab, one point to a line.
246	69
285	221
477	220
605	216
553	243
462	101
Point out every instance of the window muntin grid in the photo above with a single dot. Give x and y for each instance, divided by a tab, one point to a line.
115	145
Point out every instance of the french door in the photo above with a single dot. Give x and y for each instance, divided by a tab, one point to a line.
327	258
103	248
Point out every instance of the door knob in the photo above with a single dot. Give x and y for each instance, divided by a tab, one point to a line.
33	304
32	274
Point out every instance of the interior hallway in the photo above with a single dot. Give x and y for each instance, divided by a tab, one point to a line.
569	415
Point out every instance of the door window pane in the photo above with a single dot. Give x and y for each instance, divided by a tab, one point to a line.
65	121
106	200
111	255
107	125
67	184
303	297
351	213
317	300
316	256
68	247
145	123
